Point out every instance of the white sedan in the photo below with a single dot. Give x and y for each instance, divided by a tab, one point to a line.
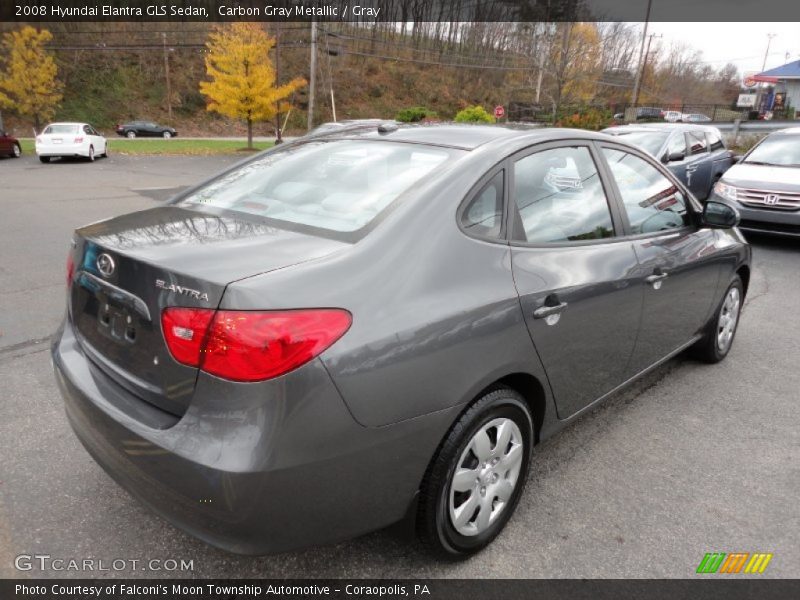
70	139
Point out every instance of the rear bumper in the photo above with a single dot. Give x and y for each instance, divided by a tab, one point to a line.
274	466
759	220
62	149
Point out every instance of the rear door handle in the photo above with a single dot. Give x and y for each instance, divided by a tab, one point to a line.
546	311
656	277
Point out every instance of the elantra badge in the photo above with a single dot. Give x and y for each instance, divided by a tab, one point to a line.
179	289
105	264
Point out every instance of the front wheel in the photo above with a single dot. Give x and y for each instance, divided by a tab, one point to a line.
474	481
718	337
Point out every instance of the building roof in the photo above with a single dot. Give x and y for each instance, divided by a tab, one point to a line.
788	71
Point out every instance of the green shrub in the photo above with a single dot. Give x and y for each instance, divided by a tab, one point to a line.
591	118
414	114
474	114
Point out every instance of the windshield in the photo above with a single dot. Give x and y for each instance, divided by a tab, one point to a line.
336	185
651	141
780	150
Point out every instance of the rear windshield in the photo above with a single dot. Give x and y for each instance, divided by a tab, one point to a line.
651	141
781	150
61	129
337	185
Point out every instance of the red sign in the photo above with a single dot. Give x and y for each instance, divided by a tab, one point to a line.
499	112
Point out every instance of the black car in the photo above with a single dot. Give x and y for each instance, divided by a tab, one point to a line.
696	154
145	129
379	324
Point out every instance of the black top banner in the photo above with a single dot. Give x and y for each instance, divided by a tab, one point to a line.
400	10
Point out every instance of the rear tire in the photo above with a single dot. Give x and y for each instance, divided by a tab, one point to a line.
16	151
474	480
130	134
718	337
91	153
44	159
167	135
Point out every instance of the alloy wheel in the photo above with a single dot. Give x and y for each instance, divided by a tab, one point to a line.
485	476
728	318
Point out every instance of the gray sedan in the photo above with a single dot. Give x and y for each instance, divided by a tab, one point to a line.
696	154
379	325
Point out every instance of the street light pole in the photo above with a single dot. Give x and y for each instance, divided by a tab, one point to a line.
166	75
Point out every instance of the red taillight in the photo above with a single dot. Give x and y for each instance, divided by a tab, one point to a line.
70	269
251	345
79	140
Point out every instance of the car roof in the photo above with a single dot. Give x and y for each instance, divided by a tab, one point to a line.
789	131
65	123
462	136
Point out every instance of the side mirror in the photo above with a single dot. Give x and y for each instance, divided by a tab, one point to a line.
676	156
720	216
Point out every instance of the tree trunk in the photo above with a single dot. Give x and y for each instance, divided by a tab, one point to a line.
249	133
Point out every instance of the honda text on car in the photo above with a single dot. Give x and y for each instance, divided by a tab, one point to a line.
765	185
696	154
380	324
66	140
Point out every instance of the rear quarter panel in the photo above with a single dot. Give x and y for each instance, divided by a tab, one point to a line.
436	316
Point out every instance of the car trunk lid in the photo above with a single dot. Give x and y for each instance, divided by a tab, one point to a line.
129	269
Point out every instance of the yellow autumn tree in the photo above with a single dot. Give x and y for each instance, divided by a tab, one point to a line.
28	80
242	78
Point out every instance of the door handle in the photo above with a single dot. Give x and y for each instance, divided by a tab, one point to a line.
656	277
546	311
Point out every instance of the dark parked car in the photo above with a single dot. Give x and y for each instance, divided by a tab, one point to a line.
145	129
696	154
765	185
9	145
354	329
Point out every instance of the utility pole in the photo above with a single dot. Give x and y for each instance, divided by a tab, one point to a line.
640	65
278	133
646	56
166	75
770	37
312	80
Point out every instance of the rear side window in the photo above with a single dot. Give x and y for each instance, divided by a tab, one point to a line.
697	142
559	197
652	202
483	216
714	141
339	185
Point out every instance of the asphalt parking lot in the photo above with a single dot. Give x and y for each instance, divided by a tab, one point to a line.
694	459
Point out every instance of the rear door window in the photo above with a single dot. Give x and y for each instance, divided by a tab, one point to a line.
560	198
697	142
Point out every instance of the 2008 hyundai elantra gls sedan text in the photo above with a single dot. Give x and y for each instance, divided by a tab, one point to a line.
380	323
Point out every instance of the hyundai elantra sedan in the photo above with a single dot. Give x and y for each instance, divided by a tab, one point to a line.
379	324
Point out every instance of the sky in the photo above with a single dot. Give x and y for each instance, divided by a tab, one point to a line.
742	44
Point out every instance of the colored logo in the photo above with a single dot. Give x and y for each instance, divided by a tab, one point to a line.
735	562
